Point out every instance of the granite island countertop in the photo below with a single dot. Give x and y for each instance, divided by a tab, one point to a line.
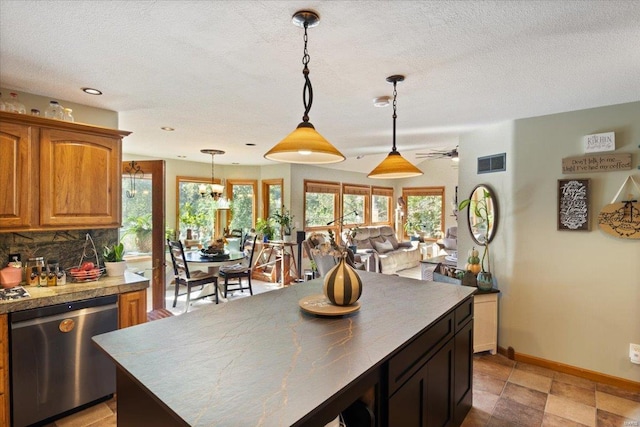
262	361
50	295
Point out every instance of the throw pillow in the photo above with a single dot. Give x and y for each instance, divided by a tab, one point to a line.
383	247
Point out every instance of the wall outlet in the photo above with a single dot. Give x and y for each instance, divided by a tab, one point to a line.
14	255
634	353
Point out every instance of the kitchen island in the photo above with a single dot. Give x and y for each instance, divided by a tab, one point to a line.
262	361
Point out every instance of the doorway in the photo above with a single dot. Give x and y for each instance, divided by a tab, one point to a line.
143	223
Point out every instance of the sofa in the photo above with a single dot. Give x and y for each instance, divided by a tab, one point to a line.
389	255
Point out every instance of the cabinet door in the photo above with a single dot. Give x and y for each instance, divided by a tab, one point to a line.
426	399
79	179
486	323
17	180
439	388
463	373
132	308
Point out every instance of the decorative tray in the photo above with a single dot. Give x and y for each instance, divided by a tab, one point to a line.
321	306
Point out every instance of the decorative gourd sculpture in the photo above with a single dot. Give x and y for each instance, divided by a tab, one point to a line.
473	261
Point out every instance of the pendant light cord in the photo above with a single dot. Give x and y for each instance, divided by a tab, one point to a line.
307	91
395	116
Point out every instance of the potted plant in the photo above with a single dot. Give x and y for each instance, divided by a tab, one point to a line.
480	209
140	227
266	228
285	220
114	259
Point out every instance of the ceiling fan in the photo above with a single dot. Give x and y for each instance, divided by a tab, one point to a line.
440	154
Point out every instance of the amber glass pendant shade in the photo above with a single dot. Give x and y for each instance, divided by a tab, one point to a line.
394	166
304	145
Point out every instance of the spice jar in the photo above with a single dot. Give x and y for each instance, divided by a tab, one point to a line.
34	268
52	272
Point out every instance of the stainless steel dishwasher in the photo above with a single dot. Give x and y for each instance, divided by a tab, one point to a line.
55	367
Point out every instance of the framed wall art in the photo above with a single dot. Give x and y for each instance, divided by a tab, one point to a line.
573	205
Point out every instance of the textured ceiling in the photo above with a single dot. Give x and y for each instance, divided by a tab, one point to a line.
228	73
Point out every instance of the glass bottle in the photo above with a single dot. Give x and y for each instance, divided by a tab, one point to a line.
15	106
52	272
3	106
35	112
35	266
54	111
68	117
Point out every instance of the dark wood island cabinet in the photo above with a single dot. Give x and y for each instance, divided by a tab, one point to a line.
262	361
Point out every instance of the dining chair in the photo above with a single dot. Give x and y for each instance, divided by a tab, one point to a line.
241	270
184	277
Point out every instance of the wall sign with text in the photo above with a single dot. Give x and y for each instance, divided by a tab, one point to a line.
573	205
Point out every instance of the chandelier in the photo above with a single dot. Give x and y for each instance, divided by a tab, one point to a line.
215	190
305	145
135	173
394	166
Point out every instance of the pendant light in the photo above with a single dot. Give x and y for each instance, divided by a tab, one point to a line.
216	191
305	145
394	166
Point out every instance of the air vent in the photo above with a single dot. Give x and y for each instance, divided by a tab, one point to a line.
493	163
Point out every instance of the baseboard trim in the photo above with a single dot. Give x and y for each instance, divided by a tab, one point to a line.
571	370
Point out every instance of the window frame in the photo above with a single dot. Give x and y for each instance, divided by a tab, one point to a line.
195	180
356	190
423	191
333	188
229	183
385	192
266	185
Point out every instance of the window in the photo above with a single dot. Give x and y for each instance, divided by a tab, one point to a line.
320	203
136	213
423	211
381	205
355	204
196	215
241	195
272	196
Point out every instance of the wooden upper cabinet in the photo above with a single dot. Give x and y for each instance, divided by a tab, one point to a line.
80	179
59	175
18	175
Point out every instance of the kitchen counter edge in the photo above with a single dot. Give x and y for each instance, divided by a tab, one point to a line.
45	296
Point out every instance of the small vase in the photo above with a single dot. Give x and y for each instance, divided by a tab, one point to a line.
115	268
286	237
485	281
342	285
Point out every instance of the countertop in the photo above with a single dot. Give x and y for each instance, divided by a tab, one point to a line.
50	295
262	361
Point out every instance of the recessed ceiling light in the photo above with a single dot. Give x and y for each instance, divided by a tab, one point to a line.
235	163
381	101
250	144
360	156
181	157
167	128
91	91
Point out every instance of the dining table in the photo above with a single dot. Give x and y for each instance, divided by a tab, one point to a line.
213	264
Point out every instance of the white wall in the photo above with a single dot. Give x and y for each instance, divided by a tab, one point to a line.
566	296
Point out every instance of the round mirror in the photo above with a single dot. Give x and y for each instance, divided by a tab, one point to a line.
483	214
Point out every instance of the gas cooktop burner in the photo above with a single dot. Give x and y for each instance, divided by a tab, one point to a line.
13	293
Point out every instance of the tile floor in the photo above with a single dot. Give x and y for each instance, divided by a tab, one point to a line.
505	393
